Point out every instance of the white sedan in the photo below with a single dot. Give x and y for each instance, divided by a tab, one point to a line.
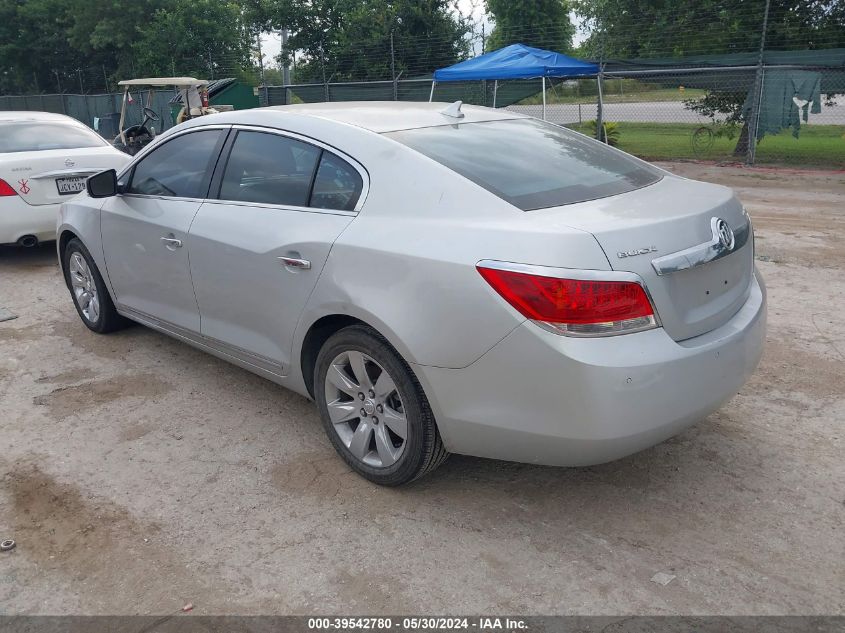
44	160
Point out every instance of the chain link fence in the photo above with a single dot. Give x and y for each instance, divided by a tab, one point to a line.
658	113
95	110
738	83
707	113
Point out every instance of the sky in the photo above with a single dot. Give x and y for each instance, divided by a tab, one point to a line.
271	43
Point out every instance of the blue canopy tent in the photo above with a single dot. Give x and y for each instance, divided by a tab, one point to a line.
516	61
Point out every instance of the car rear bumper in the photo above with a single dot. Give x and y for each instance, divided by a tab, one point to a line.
542	398
18	219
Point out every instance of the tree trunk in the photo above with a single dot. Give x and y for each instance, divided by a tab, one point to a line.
741	149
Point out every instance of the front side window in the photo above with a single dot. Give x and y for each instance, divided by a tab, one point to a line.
269	169
33	136
529	163
179	168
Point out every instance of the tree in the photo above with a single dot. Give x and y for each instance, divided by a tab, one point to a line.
351	39
209	38
34	44
105	33
539	23
625	29
46	45
631	29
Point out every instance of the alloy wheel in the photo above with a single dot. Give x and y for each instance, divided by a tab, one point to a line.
84	288
366	409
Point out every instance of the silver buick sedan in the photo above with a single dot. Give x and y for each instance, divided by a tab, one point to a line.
437	278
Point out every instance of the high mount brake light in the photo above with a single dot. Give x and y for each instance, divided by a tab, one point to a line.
575	307
6	189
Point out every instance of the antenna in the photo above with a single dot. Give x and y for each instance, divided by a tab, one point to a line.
453	110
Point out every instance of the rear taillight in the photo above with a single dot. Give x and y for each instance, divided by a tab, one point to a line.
6	189
573	306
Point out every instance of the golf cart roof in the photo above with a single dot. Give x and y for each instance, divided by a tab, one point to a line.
164	81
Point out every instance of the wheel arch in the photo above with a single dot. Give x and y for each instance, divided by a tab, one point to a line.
328	324
65	236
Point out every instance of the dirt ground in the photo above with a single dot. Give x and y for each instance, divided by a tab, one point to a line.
138	474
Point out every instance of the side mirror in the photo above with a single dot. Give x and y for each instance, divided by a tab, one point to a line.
102	185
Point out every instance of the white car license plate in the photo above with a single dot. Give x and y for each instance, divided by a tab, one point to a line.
67	186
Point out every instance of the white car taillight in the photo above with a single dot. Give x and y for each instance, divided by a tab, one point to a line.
573	306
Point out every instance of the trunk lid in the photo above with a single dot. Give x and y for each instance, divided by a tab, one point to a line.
38	176
663	219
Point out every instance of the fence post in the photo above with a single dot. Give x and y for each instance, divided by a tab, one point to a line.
600	100
600	107
393	69
323	64
757	95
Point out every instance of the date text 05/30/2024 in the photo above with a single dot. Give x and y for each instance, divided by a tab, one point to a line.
417	624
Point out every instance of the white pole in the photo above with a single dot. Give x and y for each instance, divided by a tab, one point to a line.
431	96
544	97
123	115
495	88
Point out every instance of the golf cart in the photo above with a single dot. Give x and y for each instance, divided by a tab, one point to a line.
134	137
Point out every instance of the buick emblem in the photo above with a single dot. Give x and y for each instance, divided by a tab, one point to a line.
69	163
725	234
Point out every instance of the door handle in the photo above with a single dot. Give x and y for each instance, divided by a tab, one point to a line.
172	242
293	262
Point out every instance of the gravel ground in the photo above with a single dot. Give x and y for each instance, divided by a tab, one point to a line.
138	474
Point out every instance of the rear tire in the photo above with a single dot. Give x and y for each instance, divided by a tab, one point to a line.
88	291
368	399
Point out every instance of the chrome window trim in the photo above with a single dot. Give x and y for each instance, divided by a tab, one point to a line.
365	176
581	275
145	196
703	253
277	207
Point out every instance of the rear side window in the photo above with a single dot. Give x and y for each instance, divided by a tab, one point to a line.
529	163
179	167
35	136
337	184
269	169
274	169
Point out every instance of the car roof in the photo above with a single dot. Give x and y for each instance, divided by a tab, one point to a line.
390	116
25	115
164	81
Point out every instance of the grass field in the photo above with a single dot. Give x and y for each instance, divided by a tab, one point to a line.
553	96
817	146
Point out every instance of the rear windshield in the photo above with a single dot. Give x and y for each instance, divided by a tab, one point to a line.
529	163
35	135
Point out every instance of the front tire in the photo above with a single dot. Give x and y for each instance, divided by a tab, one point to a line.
90	295
374	409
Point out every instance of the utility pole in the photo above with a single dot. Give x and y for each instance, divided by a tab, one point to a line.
754	123
393	68
285	67
323	65
261	69
81	87
600	135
